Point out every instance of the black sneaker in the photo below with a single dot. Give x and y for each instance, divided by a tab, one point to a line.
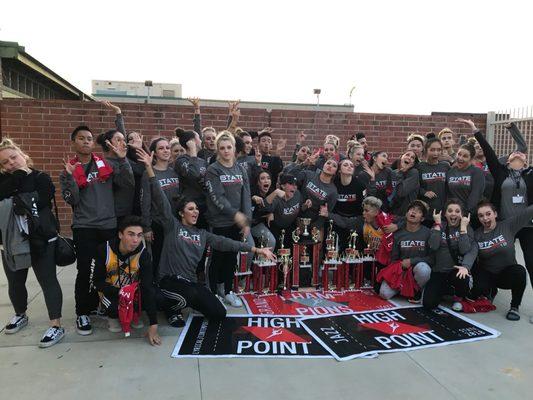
512	314
417	299
83	325
176	321
53	335
16	324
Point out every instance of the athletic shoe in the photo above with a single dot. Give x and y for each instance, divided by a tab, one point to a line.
233	300
16	324
176	321
417	299
137	325
113	325
457	306
512	314
53	335
83	325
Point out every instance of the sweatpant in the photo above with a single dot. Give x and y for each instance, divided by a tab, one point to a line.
191	294
421	272
525	236
44	267
224	263
511	277
86	240
440	284
156	246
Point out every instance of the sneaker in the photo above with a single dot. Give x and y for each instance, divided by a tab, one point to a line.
233	300
176	321
138	325
457	306
52	335
113	325
83	325
417	299
512	314
16	324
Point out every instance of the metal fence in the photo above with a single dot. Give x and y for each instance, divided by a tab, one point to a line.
500	138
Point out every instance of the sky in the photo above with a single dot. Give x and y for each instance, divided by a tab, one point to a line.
401	56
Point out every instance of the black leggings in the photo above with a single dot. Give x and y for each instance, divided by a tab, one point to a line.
511	277
190	294
441	283
223	263
525	236
86	240
156	246
44	267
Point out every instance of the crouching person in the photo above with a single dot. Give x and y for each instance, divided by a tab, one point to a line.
122	261
455	250
410	251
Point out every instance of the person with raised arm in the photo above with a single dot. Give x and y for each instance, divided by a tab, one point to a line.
377	178
184	245
455	249
87	183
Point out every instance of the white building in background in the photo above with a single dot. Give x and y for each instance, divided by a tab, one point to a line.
136	89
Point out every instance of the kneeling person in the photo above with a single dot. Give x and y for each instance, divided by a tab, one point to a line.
123	261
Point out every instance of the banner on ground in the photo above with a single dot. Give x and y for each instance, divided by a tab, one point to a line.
361	334
314	303
247	336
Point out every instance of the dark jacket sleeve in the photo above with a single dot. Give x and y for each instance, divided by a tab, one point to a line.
470	255
119	123
148	290
69	188
222	243
197	124
123	174
45	189
161	210
497	170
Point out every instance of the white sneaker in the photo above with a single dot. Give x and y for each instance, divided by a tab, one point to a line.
220	289
16	324
53	335
113	325
233	300
457	306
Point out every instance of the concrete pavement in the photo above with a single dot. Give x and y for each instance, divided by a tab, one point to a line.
107	366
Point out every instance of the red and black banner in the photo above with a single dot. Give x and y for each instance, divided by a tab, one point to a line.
314	303
247	336
362	334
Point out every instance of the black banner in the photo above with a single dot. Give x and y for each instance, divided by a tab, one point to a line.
247	336
362	334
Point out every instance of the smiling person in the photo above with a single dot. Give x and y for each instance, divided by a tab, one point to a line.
447	137
230	211
405	183
176	149
87	184
34	246
464	181
124	193
378	178
411	248
455	250
184	245
433	175
122	261
497	266
261	210
169	181
356	153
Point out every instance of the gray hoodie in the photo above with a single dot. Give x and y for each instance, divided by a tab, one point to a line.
228	191
169	182
184	246
463	244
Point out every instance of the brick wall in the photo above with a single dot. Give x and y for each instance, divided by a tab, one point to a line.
43	128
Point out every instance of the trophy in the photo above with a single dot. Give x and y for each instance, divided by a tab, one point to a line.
332	244
261	264
331	260
351	252
285	260
305	222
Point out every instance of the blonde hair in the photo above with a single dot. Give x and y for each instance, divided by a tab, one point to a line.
444	131
351	146
415	136
472	141
332	139
174	142
209	129
8	144
225	135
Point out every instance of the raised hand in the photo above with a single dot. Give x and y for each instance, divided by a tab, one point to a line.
119	151
68	166
268	129
145	157
111	106
311	160
258	200
301	137
307	204
465	221
437	217
368	170
430	195
469	122
195	101
323	210
258	156
281	145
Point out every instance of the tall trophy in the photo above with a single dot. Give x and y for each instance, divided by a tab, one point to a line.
242	272
263	271
284	256
331	259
